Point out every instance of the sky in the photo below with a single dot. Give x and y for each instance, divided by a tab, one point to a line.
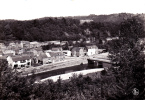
32	9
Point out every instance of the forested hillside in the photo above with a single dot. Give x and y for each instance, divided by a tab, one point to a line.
66	28
113	18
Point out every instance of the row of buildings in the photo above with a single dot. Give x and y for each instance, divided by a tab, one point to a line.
26	54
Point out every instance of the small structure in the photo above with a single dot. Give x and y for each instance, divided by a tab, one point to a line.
34	44
56	49
67	53
64	42
25	44
111	38
36	51
78	51
12	44
19	61
86	21
2	45
43	58
91	50
19	51
57	42
55	56
7	51
70	47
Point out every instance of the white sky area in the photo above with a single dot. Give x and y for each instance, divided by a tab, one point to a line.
31	9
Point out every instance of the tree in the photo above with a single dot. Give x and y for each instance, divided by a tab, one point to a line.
126	52
12	85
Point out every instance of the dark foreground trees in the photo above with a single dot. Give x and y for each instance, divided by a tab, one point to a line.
14	87
127	53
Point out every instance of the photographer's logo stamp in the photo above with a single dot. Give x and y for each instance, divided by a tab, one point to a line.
135	91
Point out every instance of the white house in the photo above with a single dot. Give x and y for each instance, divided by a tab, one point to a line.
19	61
86	20
2	46
57	42
67	53
25	44
112	38
7	51
92	50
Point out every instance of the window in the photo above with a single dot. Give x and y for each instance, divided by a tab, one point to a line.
22	61
28	63
22	65
65	52
100	64
16	65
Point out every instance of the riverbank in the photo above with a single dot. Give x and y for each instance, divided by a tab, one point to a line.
68	75
68	62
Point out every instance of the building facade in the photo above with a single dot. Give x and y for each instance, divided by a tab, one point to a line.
19	61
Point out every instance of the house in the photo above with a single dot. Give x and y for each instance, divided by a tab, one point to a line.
34	44
111	38
87	41
36	51
19	51
70	48
25	44
43	58
74	42
57	42
85	21
56	49
19	61
34	58
67	53
44	43
8	54
55	56
64	42
91	50
18	44
12	44
78	51
2	45
7	51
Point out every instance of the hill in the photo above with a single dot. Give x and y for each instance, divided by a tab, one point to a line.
63	28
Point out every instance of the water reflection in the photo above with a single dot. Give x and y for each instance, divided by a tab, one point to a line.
60	71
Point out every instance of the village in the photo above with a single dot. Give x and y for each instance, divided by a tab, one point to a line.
26	56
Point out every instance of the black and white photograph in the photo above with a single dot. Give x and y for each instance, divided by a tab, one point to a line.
72	49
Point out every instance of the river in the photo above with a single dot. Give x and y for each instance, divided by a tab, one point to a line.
46	74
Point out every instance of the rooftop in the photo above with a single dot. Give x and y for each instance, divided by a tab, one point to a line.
102	57
20	57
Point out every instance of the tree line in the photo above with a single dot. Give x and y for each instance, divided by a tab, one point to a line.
47	29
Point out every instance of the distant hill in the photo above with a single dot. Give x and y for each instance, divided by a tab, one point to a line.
63	28
116	18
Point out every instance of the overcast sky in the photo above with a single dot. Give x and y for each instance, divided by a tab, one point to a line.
31	9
